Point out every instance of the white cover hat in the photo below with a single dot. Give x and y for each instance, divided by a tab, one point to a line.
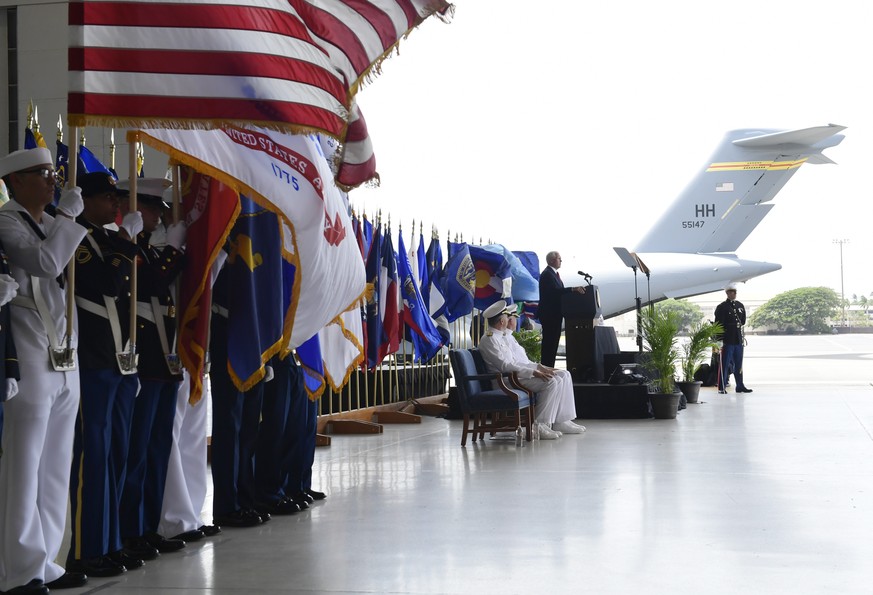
25	159
494	309
731	287
149	187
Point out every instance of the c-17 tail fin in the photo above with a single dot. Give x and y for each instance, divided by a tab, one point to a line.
727	200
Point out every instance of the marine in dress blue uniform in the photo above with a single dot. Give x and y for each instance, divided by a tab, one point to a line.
103	262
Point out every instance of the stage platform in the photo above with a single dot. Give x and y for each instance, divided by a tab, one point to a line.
612	401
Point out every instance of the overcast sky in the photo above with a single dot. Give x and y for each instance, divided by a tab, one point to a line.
573	125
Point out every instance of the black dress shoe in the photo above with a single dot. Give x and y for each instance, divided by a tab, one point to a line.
101	566
162	544
138	547
238	518
34	587
192	535
126	560
743	390
722	392
68	580
264	516
284	506
316	495
209	530
303	497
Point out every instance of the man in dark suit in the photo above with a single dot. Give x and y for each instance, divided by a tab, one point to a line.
549	309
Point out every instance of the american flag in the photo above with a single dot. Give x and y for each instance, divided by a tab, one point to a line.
289	65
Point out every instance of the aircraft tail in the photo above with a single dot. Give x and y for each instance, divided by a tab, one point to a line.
727	200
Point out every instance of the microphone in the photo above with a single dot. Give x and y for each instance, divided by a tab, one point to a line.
584	274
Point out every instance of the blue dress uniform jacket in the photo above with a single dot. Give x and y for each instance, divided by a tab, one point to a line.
550	314
104	271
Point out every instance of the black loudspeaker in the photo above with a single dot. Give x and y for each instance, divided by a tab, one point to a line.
581	350
581	306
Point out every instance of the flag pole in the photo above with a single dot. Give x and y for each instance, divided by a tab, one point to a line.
71	266
133	139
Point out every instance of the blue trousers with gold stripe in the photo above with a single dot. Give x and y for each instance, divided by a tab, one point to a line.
151	439
101	431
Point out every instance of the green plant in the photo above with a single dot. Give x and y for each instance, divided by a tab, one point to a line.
531	341
660	328
701	340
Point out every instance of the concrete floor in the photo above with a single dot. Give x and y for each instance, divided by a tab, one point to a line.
765	493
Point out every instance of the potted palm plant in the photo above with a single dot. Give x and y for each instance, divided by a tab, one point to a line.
701	341
660	327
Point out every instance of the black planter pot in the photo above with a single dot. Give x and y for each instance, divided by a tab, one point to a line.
691	390
665	406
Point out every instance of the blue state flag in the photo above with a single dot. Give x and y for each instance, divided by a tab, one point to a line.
458	282
312	365
422	331
524	285
255	330
91	164
374	329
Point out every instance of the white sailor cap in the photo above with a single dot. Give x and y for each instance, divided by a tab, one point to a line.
511	309
730	287
494	309
25	159
149	190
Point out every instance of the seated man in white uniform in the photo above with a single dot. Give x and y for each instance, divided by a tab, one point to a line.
556	407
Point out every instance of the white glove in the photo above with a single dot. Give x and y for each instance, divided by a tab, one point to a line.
176	235
268	373
132	224
71	203
8	289
11	388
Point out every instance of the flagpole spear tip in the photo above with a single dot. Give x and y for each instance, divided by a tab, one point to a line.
36	118
30	114
60	133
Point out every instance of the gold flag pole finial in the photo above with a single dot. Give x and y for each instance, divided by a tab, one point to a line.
30	114
35	126
82	137
60	133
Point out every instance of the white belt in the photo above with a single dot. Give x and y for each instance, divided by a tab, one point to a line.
147	310
109	312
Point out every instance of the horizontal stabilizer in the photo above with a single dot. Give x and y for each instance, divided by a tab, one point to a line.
804	136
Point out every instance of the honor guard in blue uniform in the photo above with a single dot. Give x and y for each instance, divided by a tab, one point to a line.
107	370
235	418
159	373
39	420
303	425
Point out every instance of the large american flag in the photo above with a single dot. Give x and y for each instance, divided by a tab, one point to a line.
289	65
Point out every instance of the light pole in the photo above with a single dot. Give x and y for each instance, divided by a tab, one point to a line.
842	287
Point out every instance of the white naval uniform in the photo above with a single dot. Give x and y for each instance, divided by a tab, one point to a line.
38	431
555	402
186	486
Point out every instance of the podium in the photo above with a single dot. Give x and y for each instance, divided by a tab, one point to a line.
586	344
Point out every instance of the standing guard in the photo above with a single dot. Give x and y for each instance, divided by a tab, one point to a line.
39	420
108	380
159	373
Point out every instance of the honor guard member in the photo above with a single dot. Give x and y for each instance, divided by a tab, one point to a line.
159	373
276	439
186	487
731	313
235	418
39	420
107	370
303	425
9	375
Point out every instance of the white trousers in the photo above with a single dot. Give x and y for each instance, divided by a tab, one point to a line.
185	490
35	472
555	400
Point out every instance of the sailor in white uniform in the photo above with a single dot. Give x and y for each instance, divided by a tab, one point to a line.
555	405
39	420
